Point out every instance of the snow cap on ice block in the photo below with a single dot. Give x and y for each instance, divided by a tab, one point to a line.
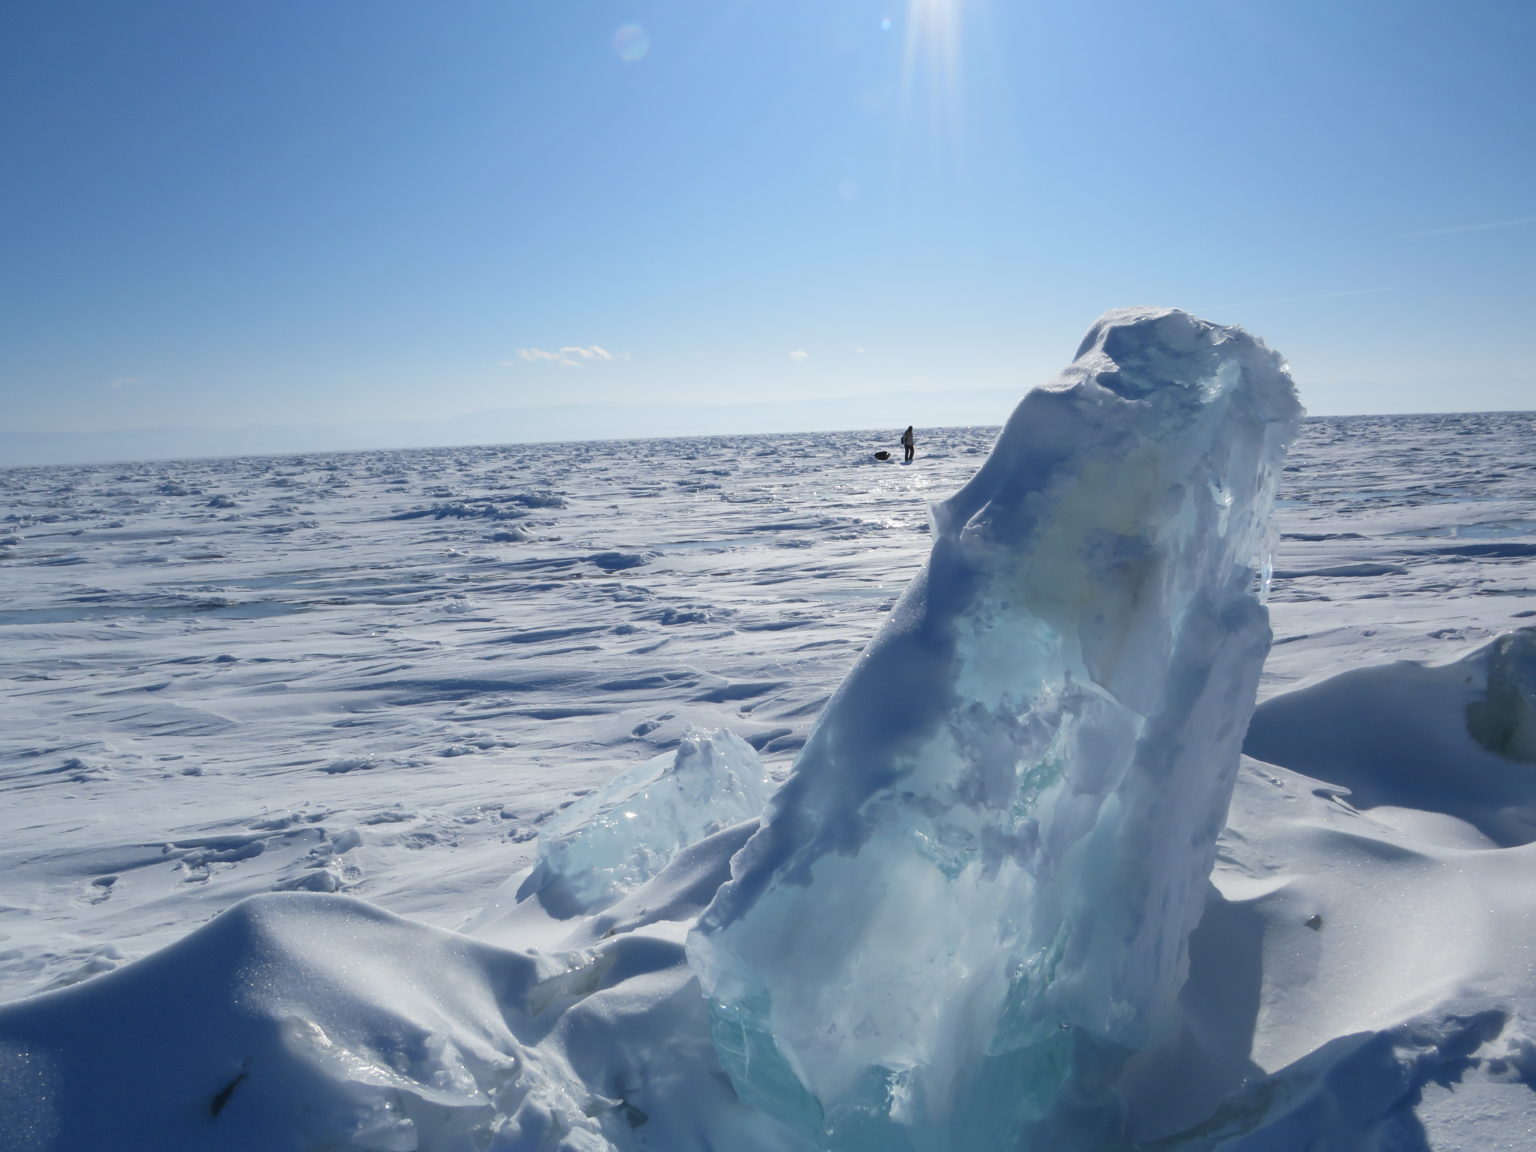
971	899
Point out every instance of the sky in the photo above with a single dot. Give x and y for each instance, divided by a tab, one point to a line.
338	223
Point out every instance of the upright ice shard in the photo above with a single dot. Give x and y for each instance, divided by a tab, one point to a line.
971	899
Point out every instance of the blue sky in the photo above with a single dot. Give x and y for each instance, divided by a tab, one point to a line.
382	215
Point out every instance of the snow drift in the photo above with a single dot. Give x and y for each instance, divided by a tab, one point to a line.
299	1020
1456	732
1363	977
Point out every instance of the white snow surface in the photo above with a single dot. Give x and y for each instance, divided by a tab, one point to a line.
355	687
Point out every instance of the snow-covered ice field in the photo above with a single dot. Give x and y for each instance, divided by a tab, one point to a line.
381	673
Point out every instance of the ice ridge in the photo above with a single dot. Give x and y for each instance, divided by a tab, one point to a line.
971	899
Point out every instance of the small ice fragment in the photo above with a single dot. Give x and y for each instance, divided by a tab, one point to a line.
1504	719
611	840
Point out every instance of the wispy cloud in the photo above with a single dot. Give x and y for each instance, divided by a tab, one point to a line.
571	356
799	355
1516	223
123	381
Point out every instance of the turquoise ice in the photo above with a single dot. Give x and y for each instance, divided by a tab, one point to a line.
971	899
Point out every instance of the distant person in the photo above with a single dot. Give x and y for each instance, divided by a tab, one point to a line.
908	444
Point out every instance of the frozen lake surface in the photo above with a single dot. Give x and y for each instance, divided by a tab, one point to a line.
220	673
380	673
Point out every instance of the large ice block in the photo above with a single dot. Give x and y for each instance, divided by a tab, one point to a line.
971	899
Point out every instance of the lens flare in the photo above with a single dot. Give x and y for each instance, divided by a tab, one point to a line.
933	34
930	69
632	43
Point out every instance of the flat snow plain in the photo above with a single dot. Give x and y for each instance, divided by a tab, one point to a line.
380	672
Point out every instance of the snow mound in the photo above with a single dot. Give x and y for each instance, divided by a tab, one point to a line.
971	899
1457	735
308	1021
1438	1081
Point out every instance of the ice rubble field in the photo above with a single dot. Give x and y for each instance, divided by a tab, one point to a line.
383	675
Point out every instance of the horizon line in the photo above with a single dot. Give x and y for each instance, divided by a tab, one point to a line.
351	450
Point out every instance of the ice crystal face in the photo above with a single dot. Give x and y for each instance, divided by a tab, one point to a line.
972	897
1504	719
609	842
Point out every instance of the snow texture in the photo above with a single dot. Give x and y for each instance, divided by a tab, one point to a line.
971	898
278	742
1475	712
306	1021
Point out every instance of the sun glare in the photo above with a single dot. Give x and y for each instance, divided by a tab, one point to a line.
933	30
931	58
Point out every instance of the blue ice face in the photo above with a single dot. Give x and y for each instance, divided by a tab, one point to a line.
971	899
612	841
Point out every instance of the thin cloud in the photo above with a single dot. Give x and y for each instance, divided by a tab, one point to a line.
532	355
1517	223
571	356
799	355
123	381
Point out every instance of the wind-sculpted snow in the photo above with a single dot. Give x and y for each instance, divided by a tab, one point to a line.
289	677
972	896
303	1021
1460	736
